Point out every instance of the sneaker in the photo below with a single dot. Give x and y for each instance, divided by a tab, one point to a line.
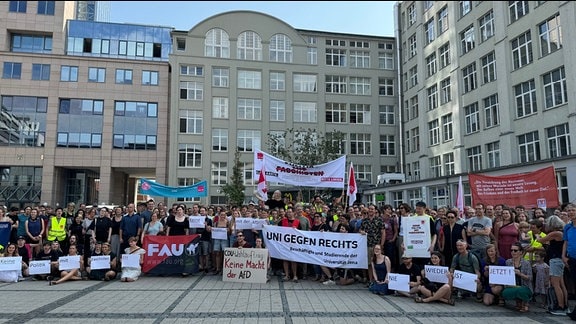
559	312
329	282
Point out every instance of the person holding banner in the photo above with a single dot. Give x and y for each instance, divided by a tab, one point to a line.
522	291
467	261
13	275
491	291
220	240
105	274
132	273
381	267
407	267
435	291
72	274
47	253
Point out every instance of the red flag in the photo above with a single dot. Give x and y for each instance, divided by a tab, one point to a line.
262	190
352	189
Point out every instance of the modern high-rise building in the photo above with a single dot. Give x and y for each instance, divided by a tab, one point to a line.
485	89
85	105
93	10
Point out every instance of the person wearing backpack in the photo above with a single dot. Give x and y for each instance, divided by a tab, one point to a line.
467	261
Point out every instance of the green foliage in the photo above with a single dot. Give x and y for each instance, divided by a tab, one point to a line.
306	146
234	189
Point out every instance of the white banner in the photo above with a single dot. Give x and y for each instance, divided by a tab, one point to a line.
99	262
465	280
39	267
196	221
245	265
333	250
400	282
436	273
69	262
243	223
219	233
131	260
327	175
258	223
417	238
501	275
10	263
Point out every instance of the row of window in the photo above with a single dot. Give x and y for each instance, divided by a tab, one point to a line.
79	45
44	7
13	70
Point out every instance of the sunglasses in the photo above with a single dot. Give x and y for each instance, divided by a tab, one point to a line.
514	250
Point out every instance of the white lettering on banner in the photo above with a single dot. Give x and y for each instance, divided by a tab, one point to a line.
501	275
165	250
245	265
10	263
335	250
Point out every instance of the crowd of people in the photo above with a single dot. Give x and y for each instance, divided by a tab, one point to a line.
540	247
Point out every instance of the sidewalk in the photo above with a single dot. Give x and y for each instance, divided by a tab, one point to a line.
206	299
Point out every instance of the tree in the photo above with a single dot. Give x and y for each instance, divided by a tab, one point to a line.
234	189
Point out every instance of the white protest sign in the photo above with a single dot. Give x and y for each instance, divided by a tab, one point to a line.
196	221
245	265
501	275
69	262
417	237
39	267
400	282
100	262
436	273
465	280
131	260
10	263
259	223
219	233
243	223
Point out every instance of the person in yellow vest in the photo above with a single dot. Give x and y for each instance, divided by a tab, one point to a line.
57	227
535	232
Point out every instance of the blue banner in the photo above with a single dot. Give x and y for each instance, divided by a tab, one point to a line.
152	188
5	229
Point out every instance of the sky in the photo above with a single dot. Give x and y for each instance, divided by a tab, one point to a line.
375	18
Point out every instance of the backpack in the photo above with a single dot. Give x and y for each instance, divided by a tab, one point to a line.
551	300
470	261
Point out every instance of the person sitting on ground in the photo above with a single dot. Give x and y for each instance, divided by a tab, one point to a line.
522	291
407	267
467	261
72	274
130	274
47	253
11	250
491	291
104	274
435	291
381	267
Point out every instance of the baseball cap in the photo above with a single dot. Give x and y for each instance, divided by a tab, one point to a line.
21	237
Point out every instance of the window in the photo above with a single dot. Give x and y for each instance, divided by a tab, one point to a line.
518	9
26	123
467	39
415	133
40	71
432	95
525	98
220	77
387	145
385	86
180	44
445	91
249	79
529	147
219	140
386	113
407	141
449	164
193	70
414	111
469	82
429	31
219	173
249	109
386	61
305	112
465	7
359	44
435	166
363	172
555	92
493	154
12	70
68	73
472	118
277	81
248	140
17	6
191	122
247	173
217	43
281	49
126	135
431	67
360	59
335	112
335	57
411	15
558	140
445	59
191	90
312	56
412	49
360	144
416	174
433	133
123	76
305	82
31	43
150	78
249	46
522	50
491	111
184	182
488	67
474	158
190	155
442	20
220	108
486	26
46	8
413	76
550	35
360	86
335	84
97	75
277	110
447	131
360	114
80	123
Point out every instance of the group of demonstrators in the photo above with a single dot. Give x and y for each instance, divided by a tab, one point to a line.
540	248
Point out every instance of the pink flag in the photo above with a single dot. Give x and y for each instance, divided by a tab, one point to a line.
352	189
460	198
262	190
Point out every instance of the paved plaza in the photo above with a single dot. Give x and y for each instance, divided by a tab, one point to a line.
206	299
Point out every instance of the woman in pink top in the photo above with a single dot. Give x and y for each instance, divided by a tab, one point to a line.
507	233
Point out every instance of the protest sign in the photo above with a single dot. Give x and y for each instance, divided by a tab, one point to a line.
69	262
465	280
39	267
417	237
501	275
400	282
245	265
100	262
436	273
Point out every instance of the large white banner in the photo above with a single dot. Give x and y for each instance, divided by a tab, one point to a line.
10	263
334	250
417	237
327	175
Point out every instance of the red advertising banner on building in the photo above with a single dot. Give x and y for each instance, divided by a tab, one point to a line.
532	189
171	254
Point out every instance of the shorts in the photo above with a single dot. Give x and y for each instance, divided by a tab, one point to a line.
556	267
205	248
219	245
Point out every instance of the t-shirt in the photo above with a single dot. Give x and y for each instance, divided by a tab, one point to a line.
570	236
466	263
413	272
479	223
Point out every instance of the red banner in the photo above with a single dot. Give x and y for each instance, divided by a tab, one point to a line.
533	189
171	254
